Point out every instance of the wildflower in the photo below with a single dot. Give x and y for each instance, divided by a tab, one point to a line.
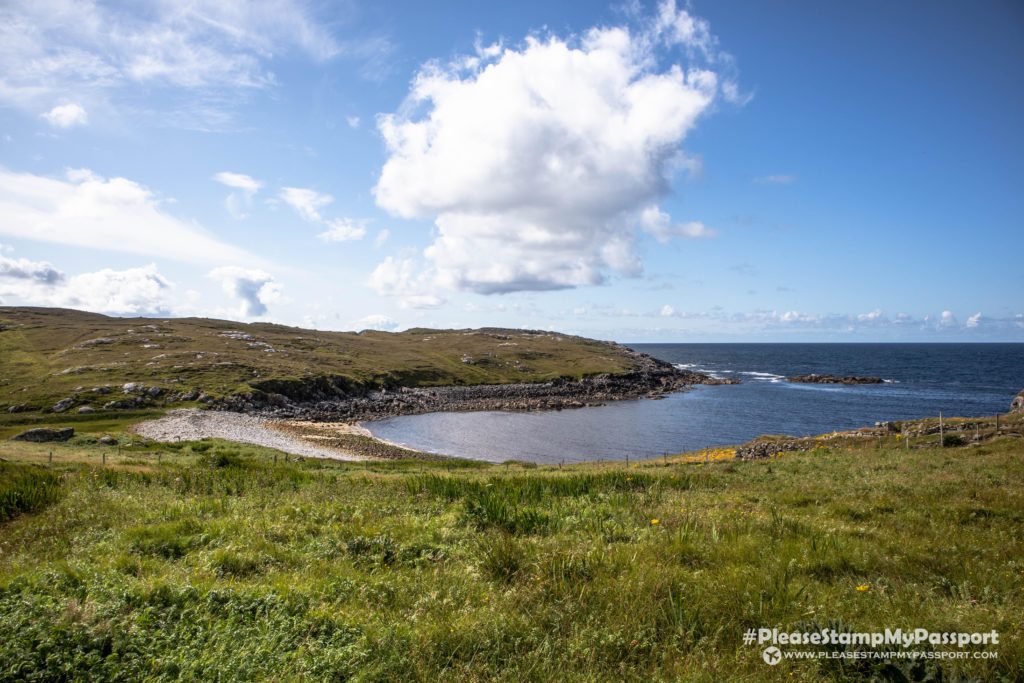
655	522
864	587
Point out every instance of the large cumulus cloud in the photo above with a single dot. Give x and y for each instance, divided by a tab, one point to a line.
536	163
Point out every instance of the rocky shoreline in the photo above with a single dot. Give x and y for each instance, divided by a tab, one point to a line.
834	379
323	400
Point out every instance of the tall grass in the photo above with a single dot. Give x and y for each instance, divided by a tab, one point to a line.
26	488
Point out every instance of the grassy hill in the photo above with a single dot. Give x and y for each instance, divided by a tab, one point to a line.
213	561
48	354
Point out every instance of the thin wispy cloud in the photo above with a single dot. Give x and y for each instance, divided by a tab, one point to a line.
116	214
309	204
237	203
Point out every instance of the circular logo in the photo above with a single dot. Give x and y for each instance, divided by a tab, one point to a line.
772	656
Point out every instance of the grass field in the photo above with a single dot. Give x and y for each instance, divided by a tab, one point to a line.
48	354
212	561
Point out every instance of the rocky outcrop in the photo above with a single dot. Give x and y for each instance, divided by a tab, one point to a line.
759	449
834	379
339	399
43	435
1017	404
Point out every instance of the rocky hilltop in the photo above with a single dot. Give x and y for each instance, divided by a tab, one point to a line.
66	361
834	379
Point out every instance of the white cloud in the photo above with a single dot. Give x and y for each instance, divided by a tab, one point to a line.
49	48
947	319
254	289
974	320
343	230
308	204
38	272
239	181
134	291
667	311
238	203
381	238
873	316
376	321
66	116
658	223
405	279
535	162
352	121
115	214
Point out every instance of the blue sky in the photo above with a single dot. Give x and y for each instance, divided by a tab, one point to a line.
741	171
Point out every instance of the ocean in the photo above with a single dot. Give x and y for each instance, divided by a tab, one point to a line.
921	380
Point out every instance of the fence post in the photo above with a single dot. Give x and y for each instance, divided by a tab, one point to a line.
51	457
104	457
942	438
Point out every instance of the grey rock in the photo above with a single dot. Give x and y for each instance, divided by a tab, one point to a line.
21	408
125	403
86	409
834	379
62	405
43	435
759	448
1017	405
133	387
154	391
107	440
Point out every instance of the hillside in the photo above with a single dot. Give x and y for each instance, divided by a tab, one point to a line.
49	355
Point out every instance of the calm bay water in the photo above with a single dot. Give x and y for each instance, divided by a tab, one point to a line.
921	380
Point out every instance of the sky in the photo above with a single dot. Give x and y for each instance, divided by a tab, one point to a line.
637	171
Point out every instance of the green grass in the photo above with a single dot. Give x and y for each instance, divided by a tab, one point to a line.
50	354
213	561
26	488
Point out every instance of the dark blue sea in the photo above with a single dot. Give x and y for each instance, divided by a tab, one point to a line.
922	380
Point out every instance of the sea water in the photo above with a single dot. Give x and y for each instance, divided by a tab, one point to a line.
921	380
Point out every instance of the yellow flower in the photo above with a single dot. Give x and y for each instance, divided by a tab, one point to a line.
655	522
864	587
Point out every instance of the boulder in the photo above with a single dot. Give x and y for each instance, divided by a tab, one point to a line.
62	405
86	409
124	404
1017	404
43	434
21	408
107	440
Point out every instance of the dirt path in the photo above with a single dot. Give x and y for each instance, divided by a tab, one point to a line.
190	425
